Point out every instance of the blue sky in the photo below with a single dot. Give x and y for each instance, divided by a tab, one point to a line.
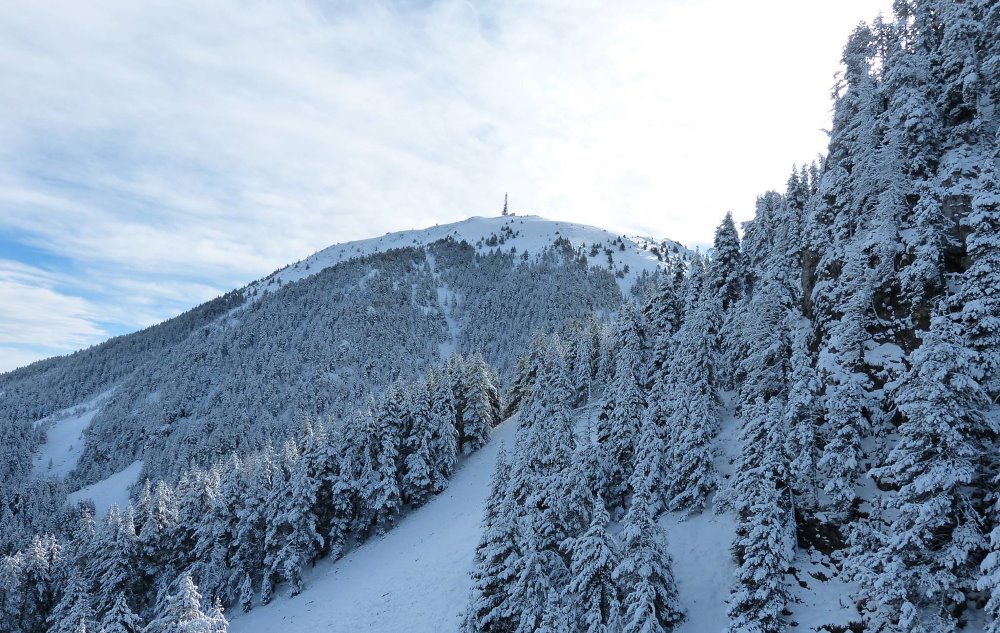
156	154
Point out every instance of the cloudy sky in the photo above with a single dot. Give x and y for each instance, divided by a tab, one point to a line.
155	154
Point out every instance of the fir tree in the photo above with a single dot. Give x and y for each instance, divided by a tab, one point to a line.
557	617
594	557
120	618
801	417
644	573
759	594
444	437
620	430
73	612
727	270
113	570
182	613
980	301
490	607
989	581
924	558
481	414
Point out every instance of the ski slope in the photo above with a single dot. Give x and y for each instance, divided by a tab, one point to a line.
532	234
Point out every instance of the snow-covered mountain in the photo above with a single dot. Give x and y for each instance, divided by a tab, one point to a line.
146	404
510	424
630	255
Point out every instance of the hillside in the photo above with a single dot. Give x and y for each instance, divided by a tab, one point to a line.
510	425
389	308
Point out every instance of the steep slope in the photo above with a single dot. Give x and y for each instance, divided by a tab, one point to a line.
416	578
413	579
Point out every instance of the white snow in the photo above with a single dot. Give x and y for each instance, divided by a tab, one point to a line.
534	233
64	440
703	567
414	579
110	491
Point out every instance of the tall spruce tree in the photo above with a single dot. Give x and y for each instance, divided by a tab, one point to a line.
644	573
923	560
594	557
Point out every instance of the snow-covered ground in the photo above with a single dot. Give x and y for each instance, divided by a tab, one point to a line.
64	440
110	491
703	567
532	234
414	579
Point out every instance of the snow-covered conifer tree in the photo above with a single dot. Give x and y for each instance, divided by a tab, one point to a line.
594	557
727	270
924	558
121	619
489	607
182	613
644	573
73	612
481	415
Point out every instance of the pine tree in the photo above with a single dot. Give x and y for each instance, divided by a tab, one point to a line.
842	456
761	358
620	430
252	520
444	437
663	315
30	580
759	594
764	533
594	557
157	548
557	617
380	488
981	302
989	581
292	538
418	474
532	581
182	612
113	569
481	415
120	618
801	416
456	373
73	612
689	406
490	607
924	557
727	270
644	573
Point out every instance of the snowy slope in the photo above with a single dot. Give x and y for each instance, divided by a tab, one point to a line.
531	233
110	491
64	439
415	579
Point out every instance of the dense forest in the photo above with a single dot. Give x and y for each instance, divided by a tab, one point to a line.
851	331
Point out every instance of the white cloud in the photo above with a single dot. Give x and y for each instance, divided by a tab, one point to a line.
209	143
36	318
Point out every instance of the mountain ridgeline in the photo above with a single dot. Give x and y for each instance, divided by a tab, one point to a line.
828	380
